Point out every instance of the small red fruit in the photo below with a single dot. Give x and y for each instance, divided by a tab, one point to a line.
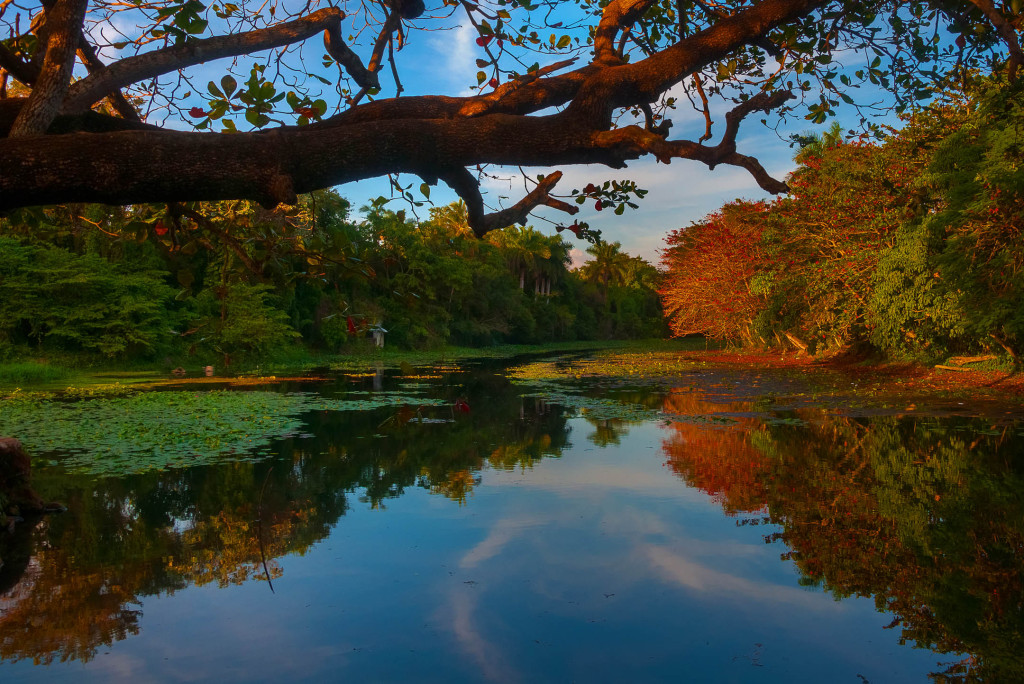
493	83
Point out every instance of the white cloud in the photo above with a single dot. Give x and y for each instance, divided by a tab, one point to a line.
456	50
705	580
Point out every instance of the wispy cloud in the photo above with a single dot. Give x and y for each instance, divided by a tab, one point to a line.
456	50
703	579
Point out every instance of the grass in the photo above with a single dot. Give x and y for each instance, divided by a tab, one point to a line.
31	373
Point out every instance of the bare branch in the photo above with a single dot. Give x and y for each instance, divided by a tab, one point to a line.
697	82
151	64
64	25
633	142
468	188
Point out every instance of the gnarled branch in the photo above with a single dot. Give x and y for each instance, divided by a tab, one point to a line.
468	188
633	142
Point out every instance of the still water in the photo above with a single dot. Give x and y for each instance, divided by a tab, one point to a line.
478	530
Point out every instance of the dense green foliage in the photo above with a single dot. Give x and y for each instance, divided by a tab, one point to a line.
911	247
234	283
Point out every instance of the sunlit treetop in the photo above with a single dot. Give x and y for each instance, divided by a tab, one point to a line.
134	101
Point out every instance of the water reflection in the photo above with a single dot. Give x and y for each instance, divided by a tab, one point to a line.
921	514
124	539
924	515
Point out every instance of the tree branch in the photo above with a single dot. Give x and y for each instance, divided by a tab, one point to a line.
25	72
419	135
633	142
391	24
616	16
87	53
130	70
468	188
64	25
342	54
644	80
1006	32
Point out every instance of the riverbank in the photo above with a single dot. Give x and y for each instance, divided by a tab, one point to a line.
67	376
791	381
631	360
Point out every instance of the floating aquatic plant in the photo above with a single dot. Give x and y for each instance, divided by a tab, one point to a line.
158	430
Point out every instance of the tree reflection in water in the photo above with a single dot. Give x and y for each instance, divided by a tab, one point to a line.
924	515
74	582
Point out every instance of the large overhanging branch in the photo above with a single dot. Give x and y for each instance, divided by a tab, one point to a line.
632	142
467	187
420	135
131	70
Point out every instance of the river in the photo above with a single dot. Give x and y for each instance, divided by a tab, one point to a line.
456	525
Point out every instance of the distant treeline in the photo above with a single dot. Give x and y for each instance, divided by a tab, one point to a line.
234	282
912	247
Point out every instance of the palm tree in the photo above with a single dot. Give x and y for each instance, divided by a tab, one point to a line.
610	266
814	144
451	219
524	249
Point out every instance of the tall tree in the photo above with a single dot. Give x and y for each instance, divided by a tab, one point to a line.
609	266
541	101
